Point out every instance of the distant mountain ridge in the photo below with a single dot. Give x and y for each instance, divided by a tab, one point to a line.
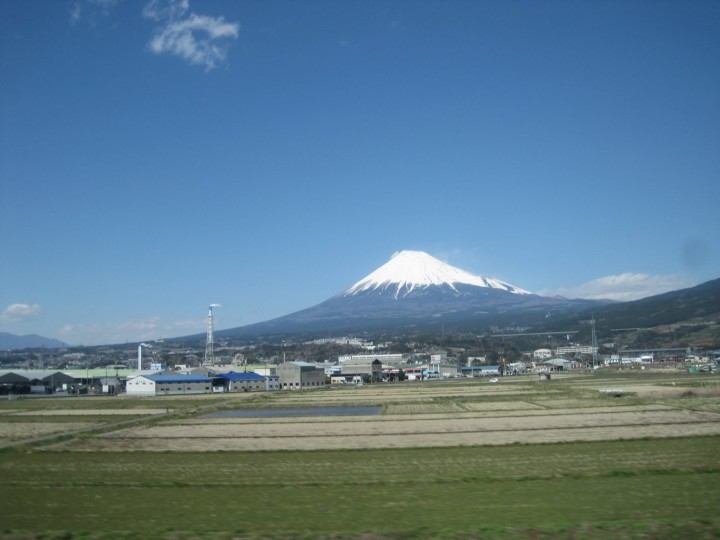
10	341
700	301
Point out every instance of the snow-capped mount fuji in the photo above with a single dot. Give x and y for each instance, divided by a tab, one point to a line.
414	291
409	270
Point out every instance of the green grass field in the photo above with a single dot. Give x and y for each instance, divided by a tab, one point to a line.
628	486
644	488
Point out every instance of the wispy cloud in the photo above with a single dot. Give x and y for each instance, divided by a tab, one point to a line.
129	330
20	312
90	8
75	11
199	39
622	287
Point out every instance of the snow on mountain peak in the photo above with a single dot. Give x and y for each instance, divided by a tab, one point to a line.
407	270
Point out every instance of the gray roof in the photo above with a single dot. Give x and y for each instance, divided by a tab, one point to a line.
557	362
178	378
33	374
362	362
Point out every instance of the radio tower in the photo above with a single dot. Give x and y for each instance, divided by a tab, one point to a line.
594	344
209	353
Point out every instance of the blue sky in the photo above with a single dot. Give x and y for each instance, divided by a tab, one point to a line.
159	156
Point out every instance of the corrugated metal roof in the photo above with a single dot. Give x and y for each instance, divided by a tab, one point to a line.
241	376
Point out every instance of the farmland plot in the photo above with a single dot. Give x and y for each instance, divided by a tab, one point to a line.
424	440
13	431
406	431
409	426
451	443
500	412
427	407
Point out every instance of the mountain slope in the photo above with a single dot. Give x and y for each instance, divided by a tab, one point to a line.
12	341
414	290
693	303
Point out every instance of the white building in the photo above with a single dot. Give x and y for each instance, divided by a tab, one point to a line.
161	385
438	358
559	364
346	379
448	371
385	359
576	349
542	354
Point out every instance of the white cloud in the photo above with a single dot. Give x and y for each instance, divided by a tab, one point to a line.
199	39
130	330
622	287
20	312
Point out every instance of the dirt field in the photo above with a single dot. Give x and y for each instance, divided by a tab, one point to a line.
499	405
415	408
408	430
422	416
410	426
10	431
394	441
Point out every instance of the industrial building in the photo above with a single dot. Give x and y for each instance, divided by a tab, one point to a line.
542	354
576	349
163	385
370	369
272	382
481	371
446	371
300	376
106	385
346	379
385	359
516	368
242	382
558	364
36	382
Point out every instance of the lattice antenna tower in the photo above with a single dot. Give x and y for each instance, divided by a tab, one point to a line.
210	342
594	343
